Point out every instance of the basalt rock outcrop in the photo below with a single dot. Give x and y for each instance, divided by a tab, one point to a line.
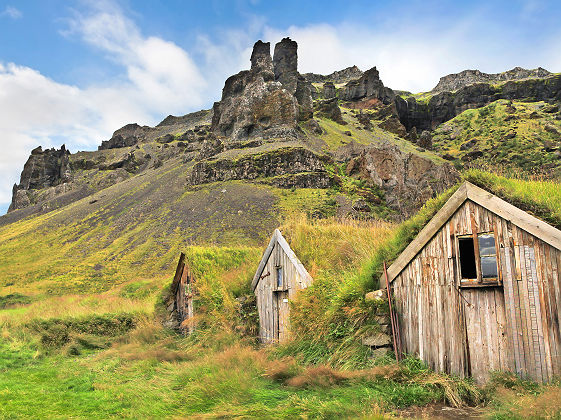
277	163
43	169
464	78
266	101
339	76
444	106
368	85
129	135
408	179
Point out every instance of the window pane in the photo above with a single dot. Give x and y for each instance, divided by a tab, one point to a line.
487	244
279	276
489	267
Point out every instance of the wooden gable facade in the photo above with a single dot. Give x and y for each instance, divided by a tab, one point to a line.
279	276
479	289
182	290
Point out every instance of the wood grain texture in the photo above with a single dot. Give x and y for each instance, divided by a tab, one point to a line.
513	326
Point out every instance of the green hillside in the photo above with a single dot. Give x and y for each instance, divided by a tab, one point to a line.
516	136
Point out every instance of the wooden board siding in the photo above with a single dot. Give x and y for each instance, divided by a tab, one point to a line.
273	302
182	290
472	331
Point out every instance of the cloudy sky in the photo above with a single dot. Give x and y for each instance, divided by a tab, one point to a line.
74	71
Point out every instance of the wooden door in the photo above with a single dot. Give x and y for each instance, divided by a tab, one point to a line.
485	331
280	315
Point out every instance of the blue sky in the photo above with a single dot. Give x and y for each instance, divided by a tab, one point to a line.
74	71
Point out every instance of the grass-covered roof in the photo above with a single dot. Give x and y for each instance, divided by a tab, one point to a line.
542	199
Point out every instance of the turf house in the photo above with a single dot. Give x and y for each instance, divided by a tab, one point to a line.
479	289
279	276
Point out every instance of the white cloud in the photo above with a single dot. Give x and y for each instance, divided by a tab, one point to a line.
11	12
412	55
161	78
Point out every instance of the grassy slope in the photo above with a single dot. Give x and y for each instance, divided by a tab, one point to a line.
150	373
88	269
509	137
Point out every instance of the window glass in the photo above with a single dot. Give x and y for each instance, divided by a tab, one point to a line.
279	276
486	244
489	267
488	255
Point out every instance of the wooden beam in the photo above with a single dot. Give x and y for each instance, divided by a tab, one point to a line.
426	234
491	202
520	218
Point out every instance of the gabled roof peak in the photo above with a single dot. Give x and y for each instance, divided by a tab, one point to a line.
278	238
469	191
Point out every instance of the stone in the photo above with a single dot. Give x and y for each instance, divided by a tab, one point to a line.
285	64
425	140
376	295
126	136
314	126
368	85
361	205
254	104
339	76
279	162
468	144
456	81
379	352
329	108
329	90
550	128
261	59
412	135
43	169
168	138
377	340
408	179
474	154
549	146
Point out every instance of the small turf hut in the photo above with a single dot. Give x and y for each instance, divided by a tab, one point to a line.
279	276
182	295
479	289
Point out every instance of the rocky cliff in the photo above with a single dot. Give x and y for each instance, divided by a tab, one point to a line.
339	76
443	106
43	169
280	129
457	81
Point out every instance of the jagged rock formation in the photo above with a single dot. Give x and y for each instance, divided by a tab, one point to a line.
464	78
329	90
266	101
263	130
339	76
43	169
446	105
277	163
368	85
408	179
129	135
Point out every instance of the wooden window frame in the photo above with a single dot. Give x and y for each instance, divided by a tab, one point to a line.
276	286
479	281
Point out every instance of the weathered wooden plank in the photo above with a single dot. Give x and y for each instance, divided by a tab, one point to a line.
512	330
543	304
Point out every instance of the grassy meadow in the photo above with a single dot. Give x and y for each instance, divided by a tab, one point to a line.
81	335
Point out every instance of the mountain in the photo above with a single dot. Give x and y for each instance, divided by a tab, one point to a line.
272	130
90	243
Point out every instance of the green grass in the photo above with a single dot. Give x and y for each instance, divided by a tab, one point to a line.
540	198
133	380
510	138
